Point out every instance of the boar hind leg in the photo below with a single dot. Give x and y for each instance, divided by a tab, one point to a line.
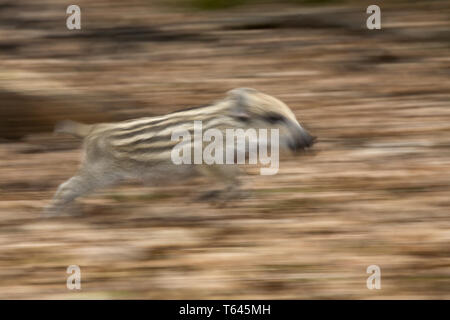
79	185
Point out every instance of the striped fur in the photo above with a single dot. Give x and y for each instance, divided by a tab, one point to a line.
141	148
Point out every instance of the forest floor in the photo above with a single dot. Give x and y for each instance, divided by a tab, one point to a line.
375	191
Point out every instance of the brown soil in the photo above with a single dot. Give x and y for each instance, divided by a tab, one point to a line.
374	191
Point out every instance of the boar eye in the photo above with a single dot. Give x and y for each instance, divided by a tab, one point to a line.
273	118
242	118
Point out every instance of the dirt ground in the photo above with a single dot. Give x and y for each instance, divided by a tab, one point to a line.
375	190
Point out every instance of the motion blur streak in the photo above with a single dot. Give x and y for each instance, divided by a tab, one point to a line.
373	190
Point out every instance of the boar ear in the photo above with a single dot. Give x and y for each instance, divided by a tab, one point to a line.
239	97
240	93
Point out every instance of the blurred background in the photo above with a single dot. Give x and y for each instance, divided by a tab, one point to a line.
375	191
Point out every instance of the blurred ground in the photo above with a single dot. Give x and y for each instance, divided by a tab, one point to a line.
376	191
